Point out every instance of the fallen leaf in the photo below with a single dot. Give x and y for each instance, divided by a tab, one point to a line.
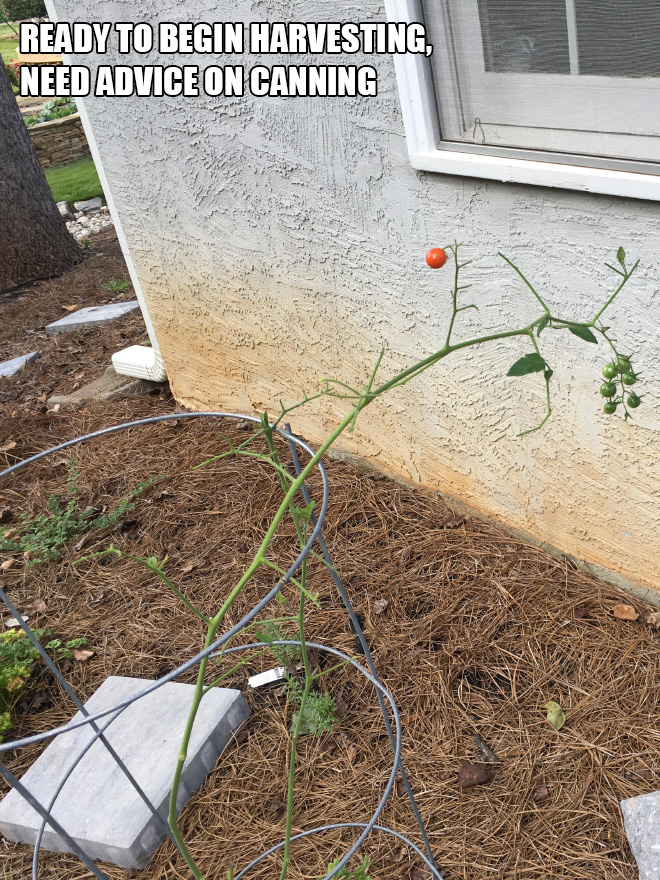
278	807
397	857
452	520
421	874
474	774
405	555
10	445
581	613
7	564
624	612
540	792
69	308
654	619
190	566
555	714
342	707
79	374
380	605
5	515
82	542
82	656
56	408
36	607
42	398
485	750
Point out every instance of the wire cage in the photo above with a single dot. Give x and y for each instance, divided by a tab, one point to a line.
101	721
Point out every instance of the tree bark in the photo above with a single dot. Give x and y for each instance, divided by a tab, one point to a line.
34	240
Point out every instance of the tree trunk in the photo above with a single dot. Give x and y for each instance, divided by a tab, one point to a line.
34	240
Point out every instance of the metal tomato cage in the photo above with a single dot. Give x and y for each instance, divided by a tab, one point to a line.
100	723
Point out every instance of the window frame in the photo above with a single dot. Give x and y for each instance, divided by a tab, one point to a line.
428	152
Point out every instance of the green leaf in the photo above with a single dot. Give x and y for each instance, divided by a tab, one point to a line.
621	256
584	333
543	324
555	714
530	363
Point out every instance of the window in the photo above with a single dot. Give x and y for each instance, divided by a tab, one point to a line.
557	92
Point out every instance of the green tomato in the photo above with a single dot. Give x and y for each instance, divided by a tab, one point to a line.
608	389
629	378
633	401
610	407
622	365
609	371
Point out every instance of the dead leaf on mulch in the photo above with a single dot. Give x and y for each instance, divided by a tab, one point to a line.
540	792
8	446
82	656
380	605
654	619
36	607
7	564
624	612
190	566
474	774
69	308
405	555
452	520
581	613
421	874
278	807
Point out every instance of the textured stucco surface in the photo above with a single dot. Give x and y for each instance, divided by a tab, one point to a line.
279	240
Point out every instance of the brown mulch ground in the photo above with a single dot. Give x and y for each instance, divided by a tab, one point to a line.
479	631
68	360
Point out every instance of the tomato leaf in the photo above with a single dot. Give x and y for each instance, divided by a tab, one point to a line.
555	714
543	324
530	363
584	333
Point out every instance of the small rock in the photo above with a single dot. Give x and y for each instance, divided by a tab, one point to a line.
65	210
78	215
84	221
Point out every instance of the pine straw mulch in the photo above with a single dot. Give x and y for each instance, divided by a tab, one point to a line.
480	630
68	360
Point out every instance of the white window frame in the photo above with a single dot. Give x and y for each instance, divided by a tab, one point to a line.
422	127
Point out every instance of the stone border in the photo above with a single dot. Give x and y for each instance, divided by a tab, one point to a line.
59	141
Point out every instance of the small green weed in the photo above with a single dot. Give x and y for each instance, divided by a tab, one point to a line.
320	711
41	537
360	873
117	285
17	656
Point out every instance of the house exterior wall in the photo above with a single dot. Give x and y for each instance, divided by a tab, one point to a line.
279	240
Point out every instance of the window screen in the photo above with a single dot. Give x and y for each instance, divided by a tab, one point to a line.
573	77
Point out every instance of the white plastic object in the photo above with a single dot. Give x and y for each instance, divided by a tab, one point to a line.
140	362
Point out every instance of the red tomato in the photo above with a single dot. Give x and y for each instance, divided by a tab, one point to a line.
436	258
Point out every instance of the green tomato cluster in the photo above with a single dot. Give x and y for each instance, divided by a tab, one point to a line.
621	368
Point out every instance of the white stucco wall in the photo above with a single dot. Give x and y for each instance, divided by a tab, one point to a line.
278	240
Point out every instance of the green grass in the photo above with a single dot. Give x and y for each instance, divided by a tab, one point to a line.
74	181
7	47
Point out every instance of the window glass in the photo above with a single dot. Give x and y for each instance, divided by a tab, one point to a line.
524	36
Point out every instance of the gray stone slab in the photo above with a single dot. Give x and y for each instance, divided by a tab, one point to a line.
91	317
641	818
10	368
89	204
98	807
